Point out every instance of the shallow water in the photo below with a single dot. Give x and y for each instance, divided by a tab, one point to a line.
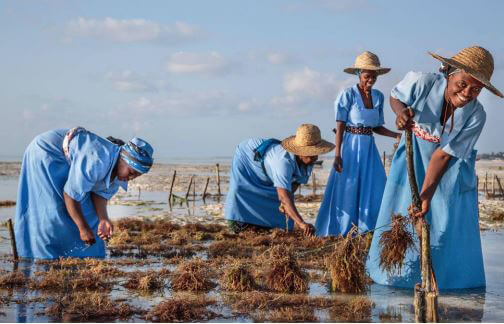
485	305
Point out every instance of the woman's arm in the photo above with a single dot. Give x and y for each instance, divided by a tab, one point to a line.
74	210
404	119
287	201
381	130
435	171
105	227
338	161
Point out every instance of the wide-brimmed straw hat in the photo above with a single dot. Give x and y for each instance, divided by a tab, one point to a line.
307	142
476	61
367	61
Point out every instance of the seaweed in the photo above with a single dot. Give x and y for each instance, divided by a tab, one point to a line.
182	309
144	281
346	264
394	244
237	277
192	275
284	274
13	279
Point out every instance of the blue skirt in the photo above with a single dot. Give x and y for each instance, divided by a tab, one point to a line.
251	197
43	228
453	217
354	195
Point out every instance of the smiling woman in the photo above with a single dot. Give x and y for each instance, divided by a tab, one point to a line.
66	178
447	119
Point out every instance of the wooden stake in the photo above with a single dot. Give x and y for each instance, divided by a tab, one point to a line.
486	184
139	192
314	184
171	186
194	189
426	310
12	239
218	179
206	187
384	158
500	186
493	186
189	188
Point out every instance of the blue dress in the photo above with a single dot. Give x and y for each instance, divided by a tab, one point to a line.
453	217
354	195
252	197
43	227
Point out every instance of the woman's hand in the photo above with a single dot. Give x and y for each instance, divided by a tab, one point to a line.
425	204
338	164
308	229
87	236
398	140
105	229
404	119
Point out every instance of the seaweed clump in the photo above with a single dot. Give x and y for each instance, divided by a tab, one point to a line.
192	276
13	279
85	306
393	245
284	274
358	309
346	264
182	309
144	281
238	278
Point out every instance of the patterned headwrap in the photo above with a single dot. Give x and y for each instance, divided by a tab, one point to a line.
138	154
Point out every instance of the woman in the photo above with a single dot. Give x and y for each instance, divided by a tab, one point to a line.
356	183
265	174
446	119
66	178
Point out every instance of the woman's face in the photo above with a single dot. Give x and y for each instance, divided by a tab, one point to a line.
462	88
367	79
308	160
125	172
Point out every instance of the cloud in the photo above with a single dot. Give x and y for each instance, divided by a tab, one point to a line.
130	30
309	87
212	63
278	58
128	81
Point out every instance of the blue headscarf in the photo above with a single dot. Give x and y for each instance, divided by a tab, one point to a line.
138	154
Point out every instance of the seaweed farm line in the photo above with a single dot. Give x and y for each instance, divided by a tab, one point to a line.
180	263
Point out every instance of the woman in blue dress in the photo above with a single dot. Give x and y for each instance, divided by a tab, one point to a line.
67	176
446	118
357	180
265	174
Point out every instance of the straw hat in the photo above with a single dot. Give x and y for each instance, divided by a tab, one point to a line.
307	142
367	61
476	61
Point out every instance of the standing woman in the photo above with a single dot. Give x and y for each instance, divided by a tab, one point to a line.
446	119
356	183
67	177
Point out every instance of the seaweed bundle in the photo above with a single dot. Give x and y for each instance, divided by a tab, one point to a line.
13	279
394	244
85	306
287	314
237	277
346	264
182	309
144	281
284	274
192	276
358	309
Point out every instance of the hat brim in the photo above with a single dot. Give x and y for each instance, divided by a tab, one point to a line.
321	148
470	71
379	70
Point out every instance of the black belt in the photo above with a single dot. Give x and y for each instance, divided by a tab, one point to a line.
359	130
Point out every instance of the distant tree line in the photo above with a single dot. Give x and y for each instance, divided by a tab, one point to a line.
491	156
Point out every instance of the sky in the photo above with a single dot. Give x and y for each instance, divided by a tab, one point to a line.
195	78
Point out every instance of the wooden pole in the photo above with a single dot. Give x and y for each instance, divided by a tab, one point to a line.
493	186
189	188
194	189
500	186
384	158
314	184
139	192
206	187
486	184
218	179
12	239
171	186
429	294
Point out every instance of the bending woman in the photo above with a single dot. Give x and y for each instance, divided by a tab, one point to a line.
447	119
265	174
356	183
66	178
